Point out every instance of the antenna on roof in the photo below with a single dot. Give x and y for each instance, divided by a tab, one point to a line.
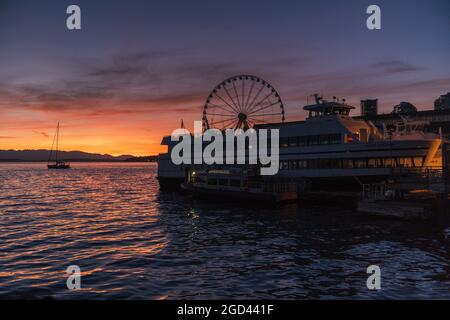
317	98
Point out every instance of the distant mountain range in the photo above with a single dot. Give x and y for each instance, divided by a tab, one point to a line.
42	155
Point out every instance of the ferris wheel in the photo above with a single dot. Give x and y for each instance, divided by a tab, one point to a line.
241	102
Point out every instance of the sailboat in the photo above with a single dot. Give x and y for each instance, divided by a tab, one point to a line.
58	164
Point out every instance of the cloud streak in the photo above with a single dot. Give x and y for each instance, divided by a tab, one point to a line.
131	84
394	66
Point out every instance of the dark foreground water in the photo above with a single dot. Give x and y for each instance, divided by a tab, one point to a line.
132	241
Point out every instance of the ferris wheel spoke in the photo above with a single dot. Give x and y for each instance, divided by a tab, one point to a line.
250	121
263	108
222	107
237	96
236	107
243	93
249	95
225	120
228	124
260	102
265	115
226	102
223	116
259	121
256	97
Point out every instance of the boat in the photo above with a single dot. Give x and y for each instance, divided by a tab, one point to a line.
238	184
57	164
333	150
338	152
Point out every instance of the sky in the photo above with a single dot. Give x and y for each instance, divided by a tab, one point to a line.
136	68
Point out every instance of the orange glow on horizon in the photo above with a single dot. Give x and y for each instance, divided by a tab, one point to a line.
134	131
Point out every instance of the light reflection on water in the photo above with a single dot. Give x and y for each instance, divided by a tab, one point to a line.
132	241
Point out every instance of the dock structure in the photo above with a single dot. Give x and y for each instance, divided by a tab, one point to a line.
411	193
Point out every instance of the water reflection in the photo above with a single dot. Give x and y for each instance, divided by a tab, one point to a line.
132	241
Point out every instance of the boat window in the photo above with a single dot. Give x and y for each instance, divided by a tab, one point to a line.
284	165
235	183
360	163
198	179
405	162
293	165
389	162
313	140
335	138
284	143
222	182
212	181
324	139
302	164
363	136
375	163
312	164
302	141
347	164
293	141
418	161
335	163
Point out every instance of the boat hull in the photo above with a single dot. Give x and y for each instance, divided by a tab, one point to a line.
237	196
57	166
170	183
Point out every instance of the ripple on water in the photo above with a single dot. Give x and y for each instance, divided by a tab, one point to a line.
132	241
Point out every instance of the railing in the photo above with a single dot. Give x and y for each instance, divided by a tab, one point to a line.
374	191
280	187
429	174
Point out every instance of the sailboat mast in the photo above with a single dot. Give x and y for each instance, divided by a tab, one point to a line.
57	140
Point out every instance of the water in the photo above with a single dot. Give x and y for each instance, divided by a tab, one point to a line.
133	241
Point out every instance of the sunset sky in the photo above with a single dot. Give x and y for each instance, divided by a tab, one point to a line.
137	67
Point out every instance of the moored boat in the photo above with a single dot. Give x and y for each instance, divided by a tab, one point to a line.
330	149
58	164
239	185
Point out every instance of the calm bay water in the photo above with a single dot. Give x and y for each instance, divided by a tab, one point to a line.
133	241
